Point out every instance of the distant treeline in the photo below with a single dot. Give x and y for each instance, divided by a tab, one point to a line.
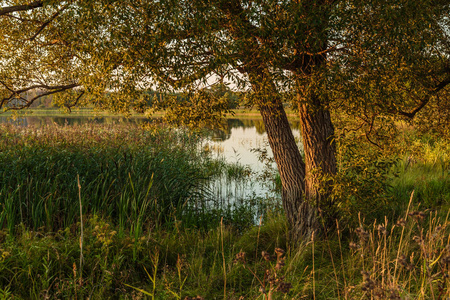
234	99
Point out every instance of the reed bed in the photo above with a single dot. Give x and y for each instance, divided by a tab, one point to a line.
132	176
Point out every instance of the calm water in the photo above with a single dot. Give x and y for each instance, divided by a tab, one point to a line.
242	136
240	142
66	120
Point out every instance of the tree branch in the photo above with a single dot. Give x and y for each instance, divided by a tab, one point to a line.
50	90
16	8
42	86
425	100
298	60
46	23
69	106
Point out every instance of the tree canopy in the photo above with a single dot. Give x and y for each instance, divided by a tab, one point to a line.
378	53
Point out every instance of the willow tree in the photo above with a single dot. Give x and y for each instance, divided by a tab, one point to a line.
326	54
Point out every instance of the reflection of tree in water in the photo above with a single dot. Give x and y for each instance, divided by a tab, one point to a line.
225	133
250	123
66	121
61	121
235	123
219	134
18	121
259	126
295	124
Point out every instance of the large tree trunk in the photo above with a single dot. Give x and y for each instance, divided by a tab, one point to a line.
301	214
320	153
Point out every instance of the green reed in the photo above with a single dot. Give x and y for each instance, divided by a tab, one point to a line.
128	174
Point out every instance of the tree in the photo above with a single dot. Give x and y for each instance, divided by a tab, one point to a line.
33	59
328	54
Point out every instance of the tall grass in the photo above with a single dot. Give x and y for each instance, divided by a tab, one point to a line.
405	259
424	168
132	176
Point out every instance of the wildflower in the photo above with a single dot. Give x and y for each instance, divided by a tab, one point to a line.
262	290
284	287
240	257
363	235
266	256
353	245
404	262
280	264
368	283
280	252
418	239
417	215
394	295
382	229
401	222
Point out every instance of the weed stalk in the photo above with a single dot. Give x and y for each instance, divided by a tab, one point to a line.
81	229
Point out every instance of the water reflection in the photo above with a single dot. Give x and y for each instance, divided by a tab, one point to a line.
225	133
241	137
241	143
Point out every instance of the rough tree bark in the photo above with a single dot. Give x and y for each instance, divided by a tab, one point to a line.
306	185
318	137
320	154
300	213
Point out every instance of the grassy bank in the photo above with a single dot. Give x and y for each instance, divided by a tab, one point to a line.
121	212
407	259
